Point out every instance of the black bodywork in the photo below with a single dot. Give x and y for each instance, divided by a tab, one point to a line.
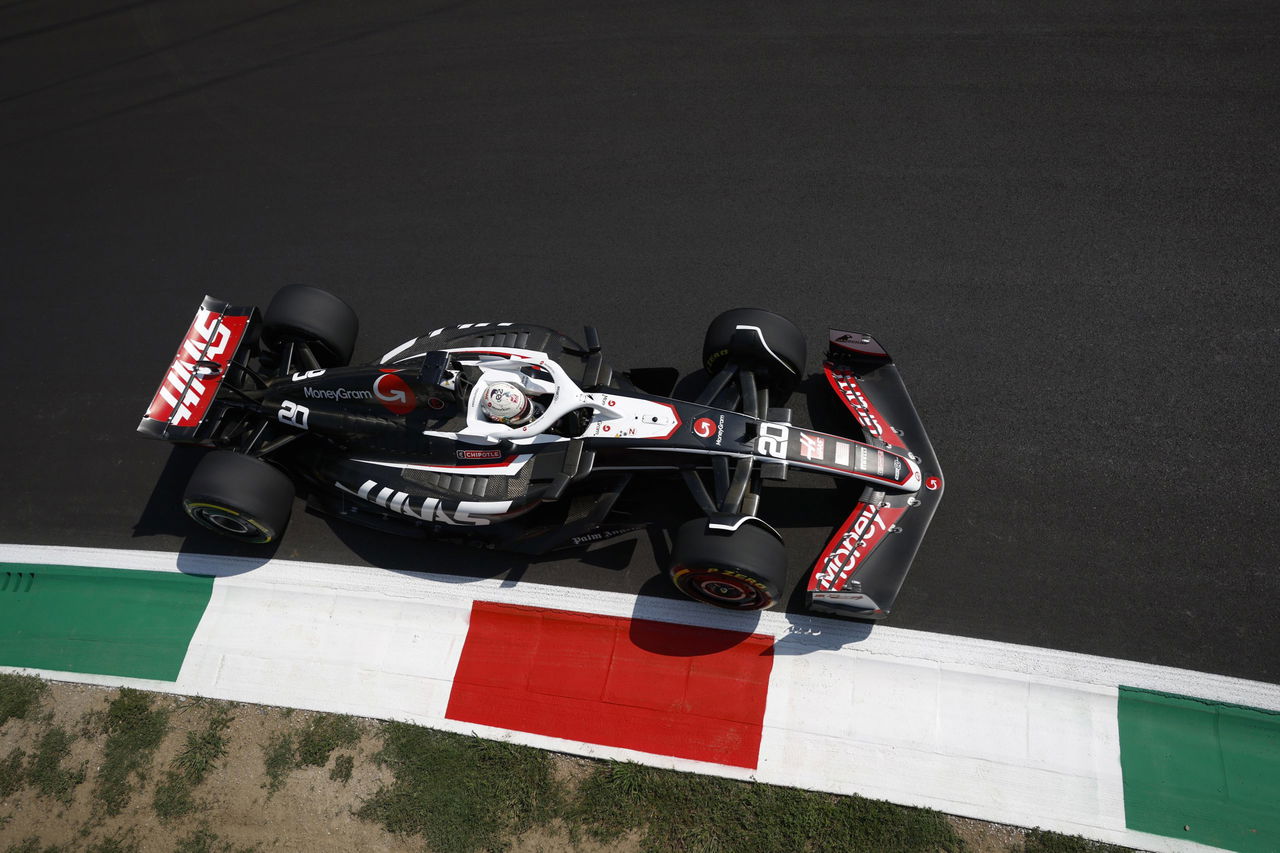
395	444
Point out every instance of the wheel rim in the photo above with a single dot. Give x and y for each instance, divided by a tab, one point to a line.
724	590
229	522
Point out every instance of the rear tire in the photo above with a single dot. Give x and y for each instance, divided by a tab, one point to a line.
744	569
772	347
239	496
300	312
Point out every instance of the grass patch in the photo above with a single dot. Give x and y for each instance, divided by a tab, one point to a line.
133	729
1041	841
342	767
312	747
121	843
279	757
205	840
203	749
174	795
45	772
322	735
691	812
32	845
19	694
11	776
461	793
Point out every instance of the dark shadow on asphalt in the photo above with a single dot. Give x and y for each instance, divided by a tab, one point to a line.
446	561
461	563
611	556
162	514
203	552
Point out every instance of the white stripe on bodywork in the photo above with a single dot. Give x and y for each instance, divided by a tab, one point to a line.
765	344
395	352
479	469
741	520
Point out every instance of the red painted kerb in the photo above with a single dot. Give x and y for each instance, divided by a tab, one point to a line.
656	687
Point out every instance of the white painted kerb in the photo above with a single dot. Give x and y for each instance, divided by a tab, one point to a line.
988	730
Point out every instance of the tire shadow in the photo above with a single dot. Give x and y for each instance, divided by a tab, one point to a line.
651	627
162	514
202	552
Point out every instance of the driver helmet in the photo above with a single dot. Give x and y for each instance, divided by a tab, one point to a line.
505	403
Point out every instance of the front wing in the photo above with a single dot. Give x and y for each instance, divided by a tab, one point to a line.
862	567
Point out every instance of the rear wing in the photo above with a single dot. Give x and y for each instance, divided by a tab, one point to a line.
182	402
864	564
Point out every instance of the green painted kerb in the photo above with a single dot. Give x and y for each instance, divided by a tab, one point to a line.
1199	770
102	621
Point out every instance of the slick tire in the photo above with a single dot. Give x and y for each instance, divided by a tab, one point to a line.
766	343
300	312
744	569
240	497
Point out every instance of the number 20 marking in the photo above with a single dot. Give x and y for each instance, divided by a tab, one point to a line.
293	414
772	440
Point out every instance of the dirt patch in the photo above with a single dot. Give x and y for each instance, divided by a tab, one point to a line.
981	837
557	839
309	812
29	813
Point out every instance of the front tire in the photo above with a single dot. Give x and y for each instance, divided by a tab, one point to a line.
743	569
240	497
768	344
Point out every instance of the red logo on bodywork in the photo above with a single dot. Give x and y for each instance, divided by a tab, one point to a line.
846	385
812	446
185	394
704	427
862	532
479	454
394	393
932	484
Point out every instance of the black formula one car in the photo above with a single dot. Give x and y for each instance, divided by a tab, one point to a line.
521	438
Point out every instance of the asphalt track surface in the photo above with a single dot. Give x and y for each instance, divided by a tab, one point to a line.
1060	218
